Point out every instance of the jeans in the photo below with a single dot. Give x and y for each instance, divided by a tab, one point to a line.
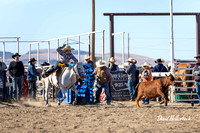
32	89
198	89
131	88
145	100
17	87
99	90
53	69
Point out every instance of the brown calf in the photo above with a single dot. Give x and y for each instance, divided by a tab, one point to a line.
155	88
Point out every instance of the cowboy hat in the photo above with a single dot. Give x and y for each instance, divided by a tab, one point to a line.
159	60
100	63
146	64
16	54
131	60
45	64
32	60
112	59
87	57
198	56
68	48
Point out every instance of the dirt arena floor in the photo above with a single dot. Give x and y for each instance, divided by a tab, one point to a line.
29	116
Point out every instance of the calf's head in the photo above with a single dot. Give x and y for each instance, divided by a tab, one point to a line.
170	80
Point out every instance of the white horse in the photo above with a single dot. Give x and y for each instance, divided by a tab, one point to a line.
66	80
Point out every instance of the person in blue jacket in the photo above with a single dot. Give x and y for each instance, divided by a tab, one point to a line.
32	77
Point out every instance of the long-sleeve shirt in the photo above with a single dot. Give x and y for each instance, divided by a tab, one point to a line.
16	69
159	68
32	73
65	58
131	71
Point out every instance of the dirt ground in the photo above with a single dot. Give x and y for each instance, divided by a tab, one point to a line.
33	116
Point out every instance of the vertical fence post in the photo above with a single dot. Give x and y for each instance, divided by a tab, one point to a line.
4	50
57	52
18	45
79	48
89	43
67	41
30	51
48	51
38	58
103	45
122	47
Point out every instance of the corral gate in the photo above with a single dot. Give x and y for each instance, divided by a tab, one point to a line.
192	93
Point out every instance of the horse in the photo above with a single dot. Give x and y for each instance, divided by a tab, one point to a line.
65	80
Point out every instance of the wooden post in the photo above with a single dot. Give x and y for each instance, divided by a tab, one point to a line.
111	36
198	34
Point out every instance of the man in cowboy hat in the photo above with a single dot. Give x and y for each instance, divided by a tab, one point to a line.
196	73
2	65
112	66
16	69
131	71
66	56
88	62
103	78
159	67
32	77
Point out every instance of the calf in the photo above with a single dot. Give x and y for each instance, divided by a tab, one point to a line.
155	88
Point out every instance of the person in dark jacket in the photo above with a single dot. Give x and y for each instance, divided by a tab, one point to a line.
131	71
159	67
31	78
112	66
196	73
16	70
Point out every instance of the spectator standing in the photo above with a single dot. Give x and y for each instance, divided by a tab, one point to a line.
2	65
146	76
88	62
196	73
112	66
131	71
103	79
16	69
32	78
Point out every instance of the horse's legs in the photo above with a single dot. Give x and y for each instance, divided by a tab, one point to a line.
46	91
76	94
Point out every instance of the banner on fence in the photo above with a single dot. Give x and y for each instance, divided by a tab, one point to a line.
119	90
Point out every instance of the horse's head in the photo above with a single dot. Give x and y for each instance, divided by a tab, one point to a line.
80	71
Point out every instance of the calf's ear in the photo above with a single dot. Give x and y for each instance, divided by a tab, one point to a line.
165	74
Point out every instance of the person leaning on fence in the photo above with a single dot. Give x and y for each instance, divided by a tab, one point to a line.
16	69
146	76
196	73
103	78
66	56
112	66
32	78
131	71
2	65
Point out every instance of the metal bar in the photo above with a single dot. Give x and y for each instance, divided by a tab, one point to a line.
187	81
150	14
184	100
123	48
79	48
67	41
184	75
9	37
57	47
38	58
128	45
103	45
48	51
185	93
4	51
185	87
89	44
183	68
197	34
23	41
185	62
17	45
30	51
111	36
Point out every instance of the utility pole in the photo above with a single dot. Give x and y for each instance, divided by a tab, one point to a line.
93	29
128	45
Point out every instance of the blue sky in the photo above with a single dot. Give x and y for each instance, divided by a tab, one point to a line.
150	36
